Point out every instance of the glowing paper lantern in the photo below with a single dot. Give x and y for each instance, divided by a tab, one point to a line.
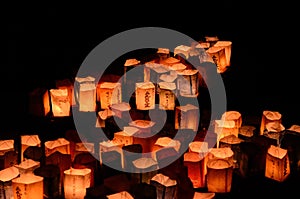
182	49
61	144
187	83
86	93
6	177
277	164
233	116
60	102
165	186
269	116
27	166
131	152
219	175
109	93
274	130
219	57
108	146
39	102
102	116
29	140
125	137
227	45
120	195
153	71
169	62
163	142
232	142
144	169
224	128
145	95
67	84
201	195
6	145
28	186
200	148
246	132
121	110
76	181
225	153
187	117
83	147
128	65
196	166
144	126
167	95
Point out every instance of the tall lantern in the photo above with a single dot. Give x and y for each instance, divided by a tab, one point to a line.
225	153
274	130
224	128
219	57
219	175
108	146
109	93
227	45
153	71
76	181
182	49
61	145
187	83
167	95
277	164
86	93
66	83
60	102
6	145
121	110
29	140
269	116
145	95
166	188
39	102
187	117
6	177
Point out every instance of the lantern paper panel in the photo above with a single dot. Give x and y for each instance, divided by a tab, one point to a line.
28	187
109	93
233	143
27	166
29	140
224	128
153	71
8	159
225	153
167	63
187	117
108	146
102	116
83	147
201	148
6	177
125	137
76	181
6	145
166	188
246	132
196	166
60	102
120	195
233	116
121	110
129	64
182	49
274	130
86	93
269	116
219	57
219	175
187	83
277	164
39	102
145	95
67	84
61	145
167	95
227	45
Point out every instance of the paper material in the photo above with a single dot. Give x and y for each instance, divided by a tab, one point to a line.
131	62
61	144
272	115
6	145
60	102
142	123
277	152
9	173
224	153
123	106
231	139
158	68
85	147
200	195
198	147
274	127
27	166
120	195
168	77
85	79
167	85
246	130
168	142
182	49
295	128
163	50
164	180
144	163
30	140
84	172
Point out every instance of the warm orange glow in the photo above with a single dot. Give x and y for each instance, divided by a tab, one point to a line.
219	57
167	95
67	84
39	102
29	140
187	117
61	145
86	93
187	83
145	95
196	166
60	102
109	93
28	186
269	116
227	45
165	186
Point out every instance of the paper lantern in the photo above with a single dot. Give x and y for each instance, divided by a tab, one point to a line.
83	147
233	143
76	181
163	142
60	102
202	149
29	140
145	95
109	93
144	126
187	117
110	145
233	116
269	116
27	166
224	128
182	49
227	45
246	132
167	95
144	169
203	195
277	164
67	84
219	175
196	166
218	55
166	188
61	144
6	177
6	145
187	83
120	195
225	153
169	62
125	137
102	116
39	102
86	93
121	110
274	130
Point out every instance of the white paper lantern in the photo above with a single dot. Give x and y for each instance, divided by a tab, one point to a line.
182	49
109	93
167	95
60	102
27	166
86	93
29	140
125	137
120	195
6	177
61	144
145	96
66	83
187	83
225	153
121	110
144	169
28	187
224	128
6	145
153	71
187	117
233	116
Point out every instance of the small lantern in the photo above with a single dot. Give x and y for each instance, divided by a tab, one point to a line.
269	116
166	188
219	175
144	126
224	128
128	65
8	155
39	102
67	84
187	83
61	144
153	71
277	164
86	93
6	145
182	49
187	117
29	140
232	142
145	95
163	143
200	148
108	146
144	169
169	62
27	166
121	110
125	137
212	40
227	45
246	132
60	102
196	166
109	93
76	181
163	53
219	57
167	95
28	187
225	153
120	195
6	177
274	131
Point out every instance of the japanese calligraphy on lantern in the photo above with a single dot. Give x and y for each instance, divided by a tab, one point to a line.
145	95
167	95
109	93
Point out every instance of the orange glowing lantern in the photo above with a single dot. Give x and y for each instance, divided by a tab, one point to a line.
182	49
125	137
277	164
169	62
246	132
102	116
39	102
144	126
203	195
233	116
6	145
269	116
200	148
153	71
6	177
8	155
219	175
27	166
227	45
196	168
66	83
60	102
166	188
131	152
28	186
109	93
163	53
61	145
83	147
29	140
76	181
163	143
108	146
218	55
86	93
187	117
144	169
121	110
187	83
120	195
167	95
225	153
232	142
224	128
274	130
145	95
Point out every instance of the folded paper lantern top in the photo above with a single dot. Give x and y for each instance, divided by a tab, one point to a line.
28	179
231	139
85	79
168	142
274	127
9	173
224	153
218	163
177	67
247	130
231	115
163	50
130	130
164	180
168	77
87	86
203	45
225	123
104	114
223	43
120	195
144	163
182	49
214	49
78	172
109	143
170	61
145	85
156	67
110	85
167	85
188	72
272	115
142	123
277	151
131	62
6	145
30	140
123	106
56	143
295	128
27	166
85	147
192	157
198	147
59	92
187	107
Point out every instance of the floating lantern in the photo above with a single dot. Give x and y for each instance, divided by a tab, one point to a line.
203	195
76	181
196	166
219	175
169	62
164	143
60	102
246	132
166	188
224	128
187	83
167	95
28	186
121	110
83	147
29	140
27	166
232	142
225	153
61	144
277	164
274	130
108	146
6	177
6	145
86	93
144	126
67	84
269	116
39	102
145	95
187	117
182	49
128	65
109	93
120	195
233	116
125	137
218	55
227	45
144	169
